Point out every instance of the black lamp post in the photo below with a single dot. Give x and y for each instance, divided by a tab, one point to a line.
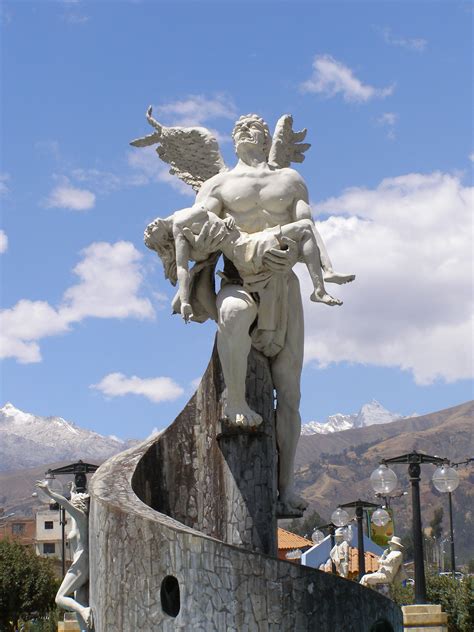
446	479
360	506
80	471
385	480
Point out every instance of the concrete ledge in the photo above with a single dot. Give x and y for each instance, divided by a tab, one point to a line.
421	617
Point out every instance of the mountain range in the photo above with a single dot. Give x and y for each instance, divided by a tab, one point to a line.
331	468
27	440
370	414
335	468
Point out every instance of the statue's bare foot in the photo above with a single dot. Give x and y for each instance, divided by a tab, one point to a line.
337	277
88	618
242	416
320	296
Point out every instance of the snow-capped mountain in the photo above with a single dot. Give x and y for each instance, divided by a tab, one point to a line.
370	414
28	440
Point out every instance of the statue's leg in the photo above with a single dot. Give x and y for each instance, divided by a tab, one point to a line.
237	311
286	372
71	583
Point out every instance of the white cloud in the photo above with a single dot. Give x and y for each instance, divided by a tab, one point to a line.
156	389
64	195
100	181
4	178
110	281
471	157
3	241
410	243
149	168
416	44
196	109
331	77
388	120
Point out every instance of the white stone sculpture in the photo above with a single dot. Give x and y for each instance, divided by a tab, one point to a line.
390	565
76	579
257	214
340	553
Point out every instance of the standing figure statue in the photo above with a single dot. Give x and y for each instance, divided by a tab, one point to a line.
340	553
390	565
76	579
258	215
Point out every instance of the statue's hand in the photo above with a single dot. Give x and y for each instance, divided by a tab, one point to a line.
42	485
281	261
186	312
210	236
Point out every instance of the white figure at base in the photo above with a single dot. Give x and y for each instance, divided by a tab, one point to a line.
77	576
340	553
390	565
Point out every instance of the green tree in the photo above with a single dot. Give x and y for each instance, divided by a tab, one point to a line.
27	585
454	597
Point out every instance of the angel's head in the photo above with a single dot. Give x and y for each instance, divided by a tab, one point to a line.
159	237
251	129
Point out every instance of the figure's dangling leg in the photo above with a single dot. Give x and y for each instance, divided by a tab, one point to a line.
329	275
302	232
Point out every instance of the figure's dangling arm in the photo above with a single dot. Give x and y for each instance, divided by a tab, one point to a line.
183	251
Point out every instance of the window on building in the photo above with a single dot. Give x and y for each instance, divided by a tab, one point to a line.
18	528
49	524
49	547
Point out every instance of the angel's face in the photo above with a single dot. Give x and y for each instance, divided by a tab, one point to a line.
249	132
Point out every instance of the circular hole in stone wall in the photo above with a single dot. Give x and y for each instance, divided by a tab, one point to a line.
169	594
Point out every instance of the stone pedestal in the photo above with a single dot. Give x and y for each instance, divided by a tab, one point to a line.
226	482
424	618
69	624
183	533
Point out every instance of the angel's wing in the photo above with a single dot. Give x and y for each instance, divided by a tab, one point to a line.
192	152
286	145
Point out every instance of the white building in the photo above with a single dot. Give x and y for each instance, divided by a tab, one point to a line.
49	532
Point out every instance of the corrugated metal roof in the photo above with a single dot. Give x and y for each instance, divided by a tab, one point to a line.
288	540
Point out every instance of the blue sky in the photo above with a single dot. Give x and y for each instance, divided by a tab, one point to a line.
385	90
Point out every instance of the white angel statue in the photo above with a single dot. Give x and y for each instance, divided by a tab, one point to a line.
256	214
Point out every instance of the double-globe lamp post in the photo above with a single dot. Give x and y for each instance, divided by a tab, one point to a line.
445	479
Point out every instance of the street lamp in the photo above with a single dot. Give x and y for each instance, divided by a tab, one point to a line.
446	480
359	506
380	477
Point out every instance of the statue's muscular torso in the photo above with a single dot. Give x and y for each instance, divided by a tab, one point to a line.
256	197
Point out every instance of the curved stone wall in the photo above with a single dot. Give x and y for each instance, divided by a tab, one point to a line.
162	553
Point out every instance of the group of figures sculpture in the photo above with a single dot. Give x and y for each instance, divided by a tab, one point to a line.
257	215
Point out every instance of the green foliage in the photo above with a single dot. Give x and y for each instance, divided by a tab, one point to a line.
27	585
436	523
454	597
306	525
